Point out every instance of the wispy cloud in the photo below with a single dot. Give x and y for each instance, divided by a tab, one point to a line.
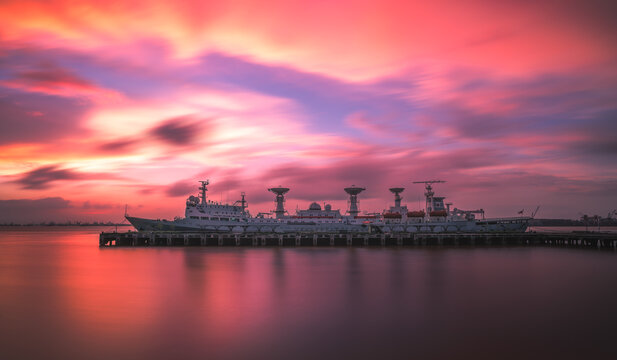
180	131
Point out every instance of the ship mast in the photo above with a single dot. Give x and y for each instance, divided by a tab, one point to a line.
203	188
243	202
429	193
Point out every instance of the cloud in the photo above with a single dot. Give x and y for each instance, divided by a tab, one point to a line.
50	76
118	146
371	125
55	209
27	210
180	188
39	118
44	176
392	34
180	131
45	76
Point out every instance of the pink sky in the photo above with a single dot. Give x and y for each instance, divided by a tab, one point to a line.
513	103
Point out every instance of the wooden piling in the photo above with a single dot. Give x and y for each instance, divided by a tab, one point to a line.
602	241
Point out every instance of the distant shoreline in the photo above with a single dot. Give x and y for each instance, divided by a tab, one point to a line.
80	224
534	222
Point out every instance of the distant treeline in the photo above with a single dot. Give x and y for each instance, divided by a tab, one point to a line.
68	223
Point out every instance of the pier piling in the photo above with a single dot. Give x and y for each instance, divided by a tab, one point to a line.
596	240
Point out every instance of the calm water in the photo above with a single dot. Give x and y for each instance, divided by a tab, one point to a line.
63	297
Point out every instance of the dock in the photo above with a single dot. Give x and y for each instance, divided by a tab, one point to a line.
166	238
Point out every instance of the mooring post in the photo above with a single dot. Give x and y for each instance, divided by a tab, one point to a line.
314	239
220	239
382	239
237	239
365	240
186	239
152	239
331	239
281	240
169	240
399	240
263	241
298	240
349	240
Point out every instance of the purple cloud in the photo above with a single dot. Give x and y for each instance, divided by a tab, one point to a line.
39	118
50	75
42	177
27	210
180	131
181	188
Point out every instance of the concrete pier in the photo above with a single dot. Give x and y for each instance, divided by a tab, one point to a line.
164	238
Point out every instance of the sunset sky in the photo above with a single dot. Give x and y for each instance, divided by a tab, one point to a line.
107	103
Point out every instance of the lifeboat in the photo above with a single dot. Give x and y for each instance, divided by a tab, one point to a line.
390	215
415	214
439	213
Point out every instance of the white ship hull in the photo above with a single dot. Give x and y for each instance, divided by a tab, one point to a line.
490	225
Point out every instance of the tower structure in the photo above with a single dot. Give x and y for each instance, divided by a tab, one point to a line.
431	203
203	188
353	192
397	196
243	203
280	200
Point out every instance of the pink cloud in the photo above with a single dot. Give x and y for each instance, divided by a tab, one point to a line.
48	78
343	39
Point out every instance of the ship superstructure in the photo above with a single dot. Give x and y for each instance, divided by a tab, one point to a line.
202	214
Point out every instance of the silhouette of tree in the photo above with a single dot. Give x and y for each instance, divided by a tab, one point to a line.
585	220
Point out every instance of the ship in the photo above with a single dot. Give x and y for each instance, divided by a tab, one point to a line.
204	215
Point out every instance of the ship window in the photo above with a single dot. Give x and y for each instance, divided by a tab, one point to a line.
194	217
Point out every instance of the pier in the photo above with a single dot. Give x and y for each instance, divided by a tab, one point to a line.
165	238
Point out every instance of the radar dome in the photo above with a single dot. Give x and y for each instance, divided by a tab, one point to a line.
315	206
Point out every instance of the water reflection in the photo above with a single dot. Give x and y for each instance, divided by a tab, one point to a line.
63	297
